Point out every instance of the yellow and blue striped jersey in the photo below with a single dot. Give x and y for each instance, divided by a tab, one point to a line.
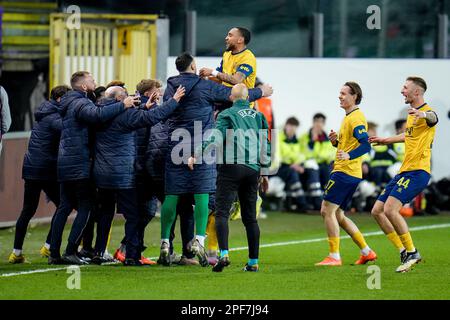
419	138
353	127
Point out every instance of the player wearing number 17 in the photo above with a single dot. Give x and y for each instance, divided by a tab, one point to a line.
414	173
345	177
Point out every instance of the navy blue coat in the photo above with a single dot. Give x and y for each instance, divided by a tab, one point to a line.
39	162
115	146
78	113
157	150
142	136
196	105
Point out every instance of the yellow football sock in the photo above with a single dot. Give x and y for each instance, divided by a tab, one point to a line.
407	242
333	242
358	238
259	202
109	238
395	239
213	244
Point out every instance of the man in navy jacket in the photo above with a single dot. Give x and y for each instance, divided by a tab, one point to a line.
39	169
74	166
114	169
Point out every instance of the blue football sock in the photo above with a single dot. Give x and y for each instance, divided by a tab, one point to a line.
223	253
252	262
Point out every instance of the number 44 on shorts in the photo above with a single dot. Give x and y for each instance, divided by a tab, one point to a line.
403	182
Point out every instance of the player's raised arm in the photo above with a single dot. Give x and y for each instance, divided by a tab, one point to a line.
430	116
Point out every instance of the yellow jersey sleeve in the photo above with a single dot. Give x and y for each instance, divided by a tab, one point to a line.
419	138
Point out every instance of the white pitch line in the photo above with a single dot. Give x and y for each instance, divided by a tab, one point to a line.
31	271
275	244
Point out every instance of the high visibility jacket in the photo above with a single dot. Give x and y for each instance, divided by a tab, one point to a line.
399	148
382	156
321	151
291	150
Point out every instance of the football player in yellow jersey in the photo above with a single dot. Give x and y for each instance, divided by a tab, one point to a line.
238	63
345	177
414	173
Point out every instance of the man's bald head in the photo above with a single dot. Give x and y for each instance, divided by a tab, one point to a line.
239	92
116	92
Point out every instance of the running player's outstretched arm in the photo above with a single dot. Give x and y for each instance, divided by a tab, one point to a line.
390	140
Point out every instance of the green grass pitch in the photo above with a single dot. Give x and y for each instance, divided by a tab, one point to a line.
287	270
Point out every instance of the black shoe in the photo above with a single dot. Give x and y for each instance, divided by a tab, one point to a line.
402	255
55	261
221	264
253	268
99	260
73	259
86	254
411	259
132	263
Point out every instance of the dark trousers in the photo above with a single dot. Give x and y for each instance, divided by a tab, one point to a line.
187	224
88	233
127	204
149	191
293	186
379	175
77	194
240	179
31	197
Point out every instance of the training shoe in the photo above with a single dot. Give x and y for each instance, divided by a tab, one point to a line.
99	260
45	252
164	255
86	254
411	259
72	259
185	261
221	264
119	255
175	258
329	261
200	252
253	268
56	261
402	256
16	259
132	263
147	261
372	256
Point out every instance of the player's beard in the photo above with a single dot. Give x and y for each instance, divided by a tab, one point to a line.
229	47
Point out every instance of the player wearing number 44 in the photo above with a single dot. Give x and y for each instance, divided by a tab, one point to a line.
352	143
414	173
